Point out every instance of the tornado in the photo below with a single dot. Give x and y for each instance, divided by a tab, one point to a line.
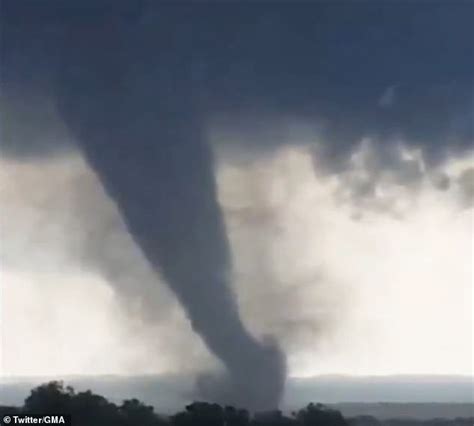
145	140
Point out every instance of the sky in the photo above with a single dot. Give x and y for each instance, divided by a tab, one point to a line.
342	139
377	294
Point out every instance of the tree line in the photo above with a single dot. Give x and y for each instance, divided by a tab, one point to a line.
89	409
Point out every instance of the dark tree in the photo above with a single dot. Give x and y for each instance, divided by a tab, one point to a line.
235	417
200	413
134	412
272	418
52	397
318	414
89	409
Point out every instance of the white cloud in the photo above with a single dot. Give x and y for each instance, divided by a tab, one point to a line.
380	294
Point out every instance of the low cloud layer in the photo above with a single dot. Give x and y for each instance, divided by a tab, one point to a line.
329	286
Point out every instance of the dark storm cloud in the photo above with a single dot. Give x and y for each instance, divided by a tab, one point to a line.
325	62
135	84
